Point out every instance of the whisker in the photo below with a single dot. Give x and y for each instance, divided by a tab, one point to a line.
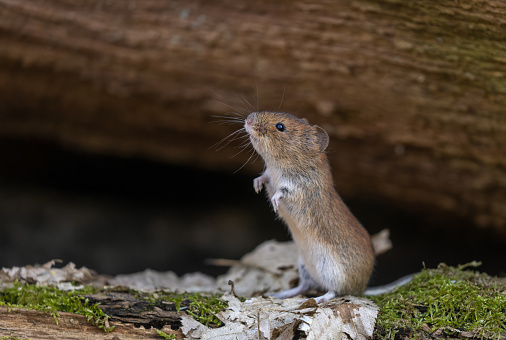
228	103
235	109
246	101
230	119
223	122
253	153
238	136
245	144
226	121
216	145
258	97
236	153
282	97
235	137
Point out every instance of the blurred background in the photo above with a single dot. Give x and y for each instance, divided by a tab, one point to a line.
110	112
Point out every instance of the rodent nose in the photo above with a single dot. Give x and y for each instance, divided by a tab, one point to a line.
249	120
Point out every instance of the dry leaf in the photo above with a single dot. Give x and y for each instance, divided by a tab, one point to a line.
381	242
149	280
47	275
261	318
270	267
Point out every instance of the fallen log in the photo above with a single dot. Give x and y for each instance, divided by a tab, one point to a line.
411	93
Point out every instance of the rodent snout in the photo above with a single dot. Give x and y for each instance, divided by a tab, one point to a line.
248	124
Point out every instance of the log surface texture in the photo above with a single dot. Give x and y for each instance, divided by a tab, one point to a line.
412	93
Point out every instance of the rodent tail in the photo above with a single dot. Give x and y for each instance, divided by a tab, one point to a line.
389	286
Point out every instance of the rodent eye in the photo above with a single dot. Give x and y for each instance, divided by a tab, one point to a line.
280	127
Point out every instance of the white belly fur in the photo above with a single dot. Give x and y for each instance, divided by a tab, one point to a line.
323	267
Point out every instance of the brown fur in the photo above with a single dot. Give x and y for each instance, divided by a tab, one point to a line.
334	247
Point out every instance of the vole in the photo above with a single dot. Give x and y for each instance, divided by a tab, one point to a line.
335	251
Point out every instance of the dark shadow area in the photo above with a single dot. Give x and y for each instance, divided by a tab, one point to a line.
122	215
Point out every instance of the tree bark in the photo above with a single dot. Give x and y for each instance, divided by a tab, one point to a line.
412	93
29	324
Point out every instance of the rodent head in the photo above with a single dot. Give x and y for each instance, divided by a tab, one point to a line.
284	139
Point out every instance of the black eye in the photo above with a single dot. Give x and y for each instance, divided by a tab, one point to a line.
280	127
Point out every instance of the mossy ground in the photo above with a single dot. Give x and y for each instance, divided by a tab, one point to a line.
50	299
445	302
202	308
165	336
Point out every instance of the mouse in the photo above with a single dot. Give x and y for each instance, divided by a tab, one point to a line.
335	251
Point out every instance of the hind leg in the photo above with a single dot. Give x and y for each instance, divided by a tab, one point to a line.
325	297
306	282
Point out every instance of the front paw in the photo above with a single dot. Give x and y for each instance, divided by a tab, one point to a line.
275	200
258	183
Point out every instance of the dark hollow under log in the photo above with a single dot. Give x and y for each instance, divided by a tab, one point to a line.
413	94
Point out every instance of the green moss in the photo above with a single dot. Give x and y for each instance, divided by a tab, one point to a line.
165	336
49	299
11	338
449	299
53	301
201	307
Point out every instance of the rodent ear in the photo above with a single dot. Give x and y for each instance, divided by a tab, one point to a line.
305	120
323	138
